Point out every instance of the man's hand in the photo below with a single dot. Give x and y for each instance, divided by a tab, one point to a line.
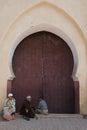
26	110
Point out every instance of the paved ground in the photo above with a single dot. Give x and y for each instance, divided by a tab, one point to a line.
50	122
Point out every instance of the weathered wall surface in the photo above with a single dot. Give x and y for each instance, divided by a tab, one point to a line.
66	18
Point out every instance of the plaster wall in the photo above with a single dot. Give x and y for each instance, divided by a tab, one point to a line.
67	19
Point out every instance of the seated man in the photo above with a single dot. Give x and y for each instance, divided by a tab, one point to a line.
9	108
42	107
27	110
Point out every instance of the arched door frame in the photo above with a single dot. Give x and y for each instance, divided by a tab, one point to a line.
61	34
53	30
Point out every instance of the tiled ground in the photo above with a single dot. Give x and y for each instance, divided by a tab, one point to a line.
50	122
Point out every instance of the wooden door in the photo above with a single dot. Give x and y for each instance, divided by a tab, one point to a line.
27	66
43	65
58	84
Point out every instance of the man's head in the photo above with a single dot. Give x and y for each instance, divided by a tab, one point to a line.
40	98
29	98
10	95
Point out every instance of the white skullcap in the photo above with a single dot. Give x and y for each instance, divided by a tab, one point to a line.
10	95
28	97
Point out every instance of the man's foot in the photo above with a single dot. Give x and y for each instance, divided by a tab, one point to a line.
26	118
36	117
13	117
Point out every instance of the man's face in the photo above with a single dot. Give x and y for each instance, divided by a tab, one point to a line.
29	99
10	98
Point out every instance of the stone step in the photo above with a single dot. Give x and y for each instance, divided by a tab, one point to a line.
57	116
61	116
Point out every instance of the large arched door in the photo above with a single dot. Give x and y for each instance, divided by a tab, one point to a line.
43	65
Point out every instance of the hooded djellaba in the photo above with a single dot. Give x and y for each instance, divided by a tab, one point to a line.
27	109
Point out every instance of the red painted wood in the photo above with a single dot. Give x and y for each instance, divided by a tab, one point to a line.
77	105
58	66
9	86
43	65
27	64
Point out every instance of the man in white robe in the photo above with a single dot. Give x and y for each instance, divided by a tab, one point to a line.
9	108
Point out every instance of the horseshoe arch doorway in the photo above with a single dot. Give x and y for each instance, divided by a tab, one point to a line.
43	65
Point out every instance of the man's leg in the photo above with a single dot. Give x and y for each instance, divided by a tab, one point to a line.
26	116
13	115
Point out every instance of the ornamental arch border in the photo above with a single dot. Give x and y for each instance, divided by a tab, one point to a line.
48	28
